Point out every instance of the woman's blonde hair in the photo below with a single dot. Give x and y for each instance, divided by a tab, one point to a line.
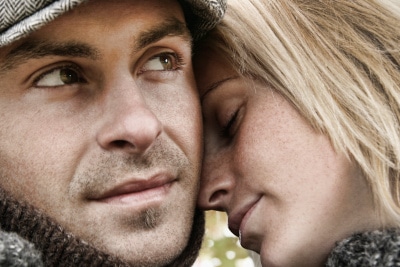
338	63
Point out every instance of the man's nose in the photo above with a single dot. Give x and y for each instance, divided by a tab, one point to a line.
217	182
129	123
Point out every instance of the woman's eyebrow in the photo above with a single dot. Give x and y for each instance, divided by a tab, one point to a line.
33	49
215	85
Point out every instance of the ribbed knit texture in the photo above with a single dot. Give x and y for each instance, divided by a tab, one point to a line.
58	247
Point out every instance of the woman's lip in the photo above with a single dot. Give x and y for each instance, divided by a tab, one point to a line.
238	219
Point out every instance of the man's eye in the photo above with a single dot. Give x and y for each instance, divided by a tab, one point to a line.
59	77
162	62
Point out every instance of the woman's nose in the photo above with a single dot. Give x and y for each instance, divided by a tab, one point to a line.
217	183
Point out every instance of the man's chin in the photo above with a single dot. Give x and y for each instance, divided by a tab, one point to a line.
176	252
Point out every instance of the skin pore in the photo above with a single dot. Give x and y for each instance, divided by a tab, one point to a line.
100	126
288	194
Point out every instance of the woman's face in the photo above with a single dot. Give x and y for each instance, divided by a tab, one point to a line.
288	194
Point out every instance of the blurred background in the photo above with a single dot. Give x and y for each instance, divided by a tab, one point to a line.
220	246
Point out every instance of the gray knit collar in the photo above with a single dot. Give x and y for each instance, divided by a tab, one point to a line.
379	248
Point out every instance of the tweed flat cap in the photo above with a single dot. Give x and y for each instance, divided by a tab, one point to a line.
20	17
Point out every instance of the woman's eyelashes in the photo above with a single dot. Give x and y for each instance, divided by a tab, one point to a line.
229	128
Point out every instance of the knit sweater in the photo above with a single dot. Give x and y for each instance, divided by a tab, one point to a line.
30	238
380	248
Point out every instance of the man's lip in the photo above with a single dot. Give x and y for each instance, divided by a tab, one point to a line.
235	220
137	188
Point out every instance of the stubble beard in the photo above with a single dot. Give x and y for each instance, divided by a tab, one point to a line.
106	169
146	220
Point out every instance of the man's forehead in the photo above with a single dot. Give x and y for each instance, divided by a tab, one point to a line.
21	17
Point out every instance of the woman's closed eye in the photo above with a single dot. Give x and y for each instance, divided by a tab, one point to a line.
229	127
224	114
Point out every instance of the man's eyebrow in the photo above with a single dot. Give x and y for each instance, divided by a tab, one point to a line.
171	27
33	49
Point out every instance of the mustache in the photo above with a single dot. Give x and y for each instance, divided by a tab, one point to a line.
108	168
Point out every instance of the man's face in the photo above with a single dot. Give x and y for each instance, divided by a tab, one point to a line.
100	126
